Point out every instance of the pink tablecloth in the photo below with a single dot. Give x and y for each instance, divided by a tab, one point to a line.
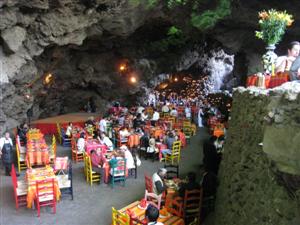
93	145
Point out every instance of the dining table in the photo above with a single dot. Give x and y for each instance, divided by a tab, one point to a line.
137	213
39	174
93	144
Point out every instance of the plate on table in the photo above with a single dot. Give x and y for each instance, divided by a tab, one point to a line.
143	208
164	216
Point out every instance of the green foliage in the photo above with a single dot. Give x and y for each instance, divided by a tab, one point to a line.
175	38
209	18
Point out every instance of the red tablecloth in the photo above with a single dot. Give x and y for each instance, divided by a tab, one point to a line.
277	81
51	128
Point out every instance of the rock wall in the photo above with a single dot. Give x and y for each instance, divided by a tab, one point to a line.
250	190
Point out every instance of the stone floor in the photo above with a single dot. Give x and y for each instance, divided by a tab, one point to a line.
92	204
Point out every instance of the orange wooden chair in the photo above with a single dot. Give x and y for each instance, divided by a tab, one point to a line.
192	205
45	195
76	156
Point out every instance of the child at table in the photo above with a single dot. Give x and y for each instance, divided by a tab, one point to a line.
152	214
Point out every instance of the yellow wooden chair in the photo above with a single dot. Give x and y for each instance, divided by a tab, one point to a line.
119	218
21	159
92	175
85	167
174	157
53	150
58	133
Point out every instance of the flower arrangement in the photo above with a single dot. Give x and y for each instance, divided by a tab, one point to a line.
273	25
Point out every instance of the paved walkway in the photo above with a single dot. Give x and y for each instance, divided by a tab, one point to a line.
92	205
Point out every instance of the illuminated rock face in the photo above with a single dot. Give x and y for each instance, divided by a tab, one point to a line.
257	183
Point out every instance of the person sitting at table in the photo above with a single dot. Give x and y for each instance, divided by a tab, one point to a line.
169	142
144	115
152	214
283	63
152	151
98	160
190	185
90	121
155	118
124	133
174	112
165	109
22	131
158	185
130	165
103	124
81	143
106	141
121	120
138	122
69	130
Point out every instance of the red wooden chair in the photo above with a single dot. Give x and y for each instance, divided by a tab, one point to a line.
45	194
20	189
148	183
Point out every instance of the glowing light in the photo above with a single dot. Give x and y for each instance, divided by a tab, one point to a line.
27	96
48	78
133	79
122	67
175	79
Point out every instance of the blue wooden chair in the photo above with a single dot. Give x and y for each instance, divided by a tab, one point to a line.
66	141
65	182
117	171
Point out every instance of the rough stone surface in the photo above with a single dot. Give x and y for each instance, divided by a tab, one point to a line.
249	191
13	38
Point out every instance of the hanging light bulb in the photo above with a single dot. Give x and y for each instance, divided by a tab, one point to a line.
133	79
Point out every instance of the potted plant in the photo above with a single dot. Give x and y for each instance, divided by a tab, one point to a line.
272	25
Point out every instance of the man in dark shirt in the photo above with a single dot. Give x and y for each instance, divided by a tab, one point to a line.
190	185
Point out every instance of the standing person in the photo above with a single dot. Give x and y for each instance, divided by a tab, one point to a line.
283	63
188	112
200	114
69	130
155	118
6	150
103	125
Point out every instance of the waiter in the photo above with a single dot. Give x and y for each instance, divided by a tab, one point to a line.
6	150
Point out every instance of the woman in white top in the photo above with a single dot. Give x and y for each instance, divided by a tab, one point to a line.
106	141
69	130
128	156
81	143
188	112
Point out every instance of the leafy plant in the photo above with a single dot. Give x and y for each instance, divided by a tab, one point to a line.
272	25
